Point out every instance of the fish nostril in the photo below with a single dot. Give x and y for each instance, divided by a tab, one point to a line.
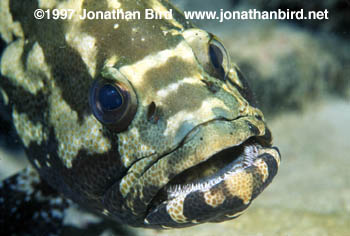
211	86
152	113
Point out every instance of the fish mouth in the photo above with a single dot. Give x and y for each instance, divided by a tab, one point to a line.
253	155
206	174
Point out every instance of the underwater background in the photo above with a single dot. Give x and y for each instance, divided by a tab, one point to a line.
300	74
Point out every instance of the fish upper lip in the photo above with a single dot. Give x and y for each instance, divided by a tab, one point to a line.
184	140
193	132
195	129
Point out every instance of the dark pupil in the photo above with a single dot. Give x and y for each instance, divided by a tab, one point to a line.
109	97
215	56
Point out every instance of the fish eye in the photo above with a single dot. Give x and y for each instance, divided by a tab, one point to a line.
112	103
219	58
110	97
215	55
209	52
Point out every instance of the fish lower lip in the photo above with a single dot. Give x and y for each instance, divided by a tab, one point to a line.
239	174
210	172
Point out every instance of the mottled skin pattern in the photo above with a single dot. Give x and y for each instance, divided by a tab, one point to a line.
188	116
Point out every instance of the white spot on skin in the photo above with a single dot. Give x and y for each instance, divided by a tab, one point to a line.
240	183
204	111
56	201
30	79
37	65
214	199
39	196
175	209
73	135
5	98
174	86
28	131
45	216
74	5
35	215
36	162
234	215
25	181
263	169
47	4
56	214
111	61
140	149
136	71
273	153
114	4
165	227
105	212
86	46
161	9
